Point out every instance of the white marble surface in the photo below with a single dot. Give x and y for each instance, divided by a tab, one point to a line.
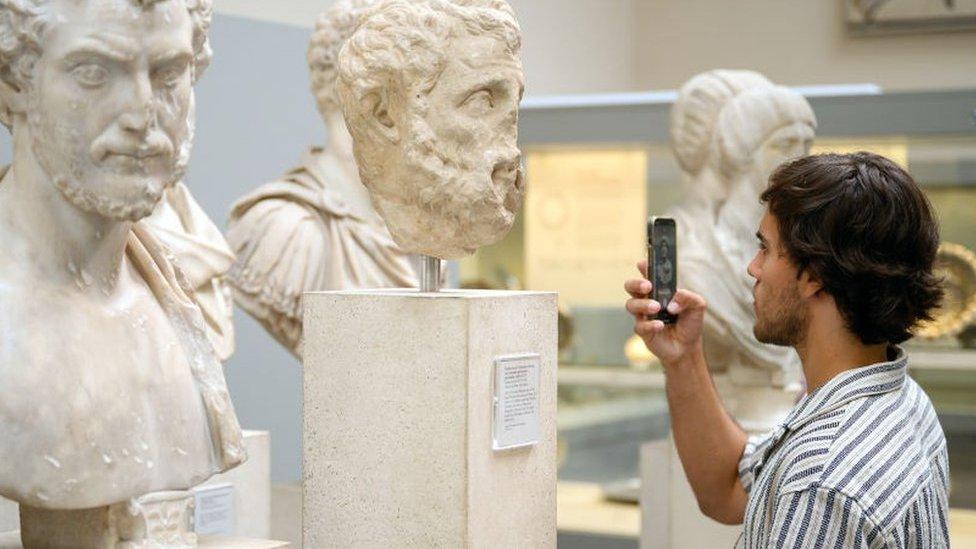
729	130
314	227
670	518
228	542
204	258
397	428
81	274
9	515
252	487
11	540
432	107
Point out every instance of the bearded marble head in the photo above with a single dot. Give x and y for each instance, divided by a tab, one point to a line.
430	92
99	94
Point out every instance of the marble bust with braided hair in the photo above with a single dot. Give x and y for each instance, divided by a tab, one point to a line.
729	130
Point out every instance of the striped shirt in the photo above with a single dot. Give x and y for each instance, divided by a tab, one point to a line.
859	462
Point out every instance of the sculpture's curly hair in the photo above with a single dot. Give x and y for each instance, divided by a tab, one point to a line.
861	226
403	45
23	24
332	28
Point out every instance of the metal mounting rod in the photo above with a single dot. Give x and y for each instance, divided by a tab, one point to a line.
430	274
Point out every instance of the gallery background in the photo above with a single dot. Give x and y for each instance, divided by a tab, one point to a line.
255	117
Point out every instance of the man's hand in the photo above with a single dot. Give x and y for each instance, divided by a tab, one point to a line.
709	443
674	343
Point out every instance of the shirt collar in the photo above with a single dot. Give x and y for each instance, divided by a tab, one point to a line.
876	379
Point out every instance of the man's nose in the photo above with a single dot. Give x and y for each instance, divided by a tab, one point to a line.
753	267
140	112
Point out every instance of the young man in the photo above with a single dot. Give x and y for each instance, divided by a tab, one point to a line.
843	273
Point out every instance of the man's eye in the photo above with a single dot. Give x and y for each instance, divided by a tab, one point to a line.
90	75
479	101
170	76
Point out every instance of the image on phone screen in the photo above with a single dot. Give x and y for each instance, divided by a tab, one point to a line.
664	268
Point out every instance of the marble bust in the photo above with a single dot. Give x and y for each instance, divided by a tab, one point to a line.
314	228
729	130
430	92
204	257
111	385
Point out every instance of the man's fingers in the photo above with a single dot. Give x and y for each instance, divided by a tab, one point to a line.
685	300
648	329
638	287
639	306
642	267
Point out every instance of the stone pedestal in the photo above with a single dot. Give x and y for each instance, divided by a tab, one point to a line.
670	518
11	540
251	485
398	420
160	519
669	510
9	515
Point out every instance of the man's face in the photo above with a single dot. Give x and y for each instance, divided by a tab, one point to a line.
460	160
781	314
109	107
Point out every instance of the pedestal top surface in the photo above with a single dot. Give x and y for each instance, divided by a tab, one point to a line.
449	293
11	540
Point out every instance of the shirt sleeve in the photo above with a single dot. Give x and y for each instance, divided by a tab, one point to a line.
820	517
753	456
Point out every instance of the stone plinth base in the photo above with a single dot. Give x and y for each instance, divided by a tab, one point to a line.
9	515
251	483
161	519
398	415
11	540
670	518
227	542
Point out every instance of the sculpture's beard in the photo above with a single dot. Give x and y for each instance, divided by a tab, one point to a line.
110	176
466	197
781	318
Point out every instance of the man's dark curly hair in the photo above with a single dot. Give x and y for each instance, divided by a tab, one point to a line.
862	227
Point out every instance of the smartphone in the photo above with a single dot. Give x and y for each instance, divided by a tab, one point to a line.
662	264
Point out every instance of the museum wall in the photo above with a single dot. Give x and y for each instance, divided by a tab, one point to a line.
792	43
596	38
587	46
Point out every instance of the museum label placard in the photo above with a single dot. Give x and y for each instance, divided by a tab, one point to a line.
516	402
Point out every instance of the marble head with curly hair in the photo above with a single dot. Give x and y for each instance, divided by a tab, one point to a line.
430	92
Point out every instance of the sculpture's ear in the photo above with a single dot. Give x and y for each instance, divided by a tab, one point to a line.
378	115
13	95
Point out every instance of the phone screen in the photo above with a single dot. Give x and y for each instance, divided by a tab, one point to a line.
664	264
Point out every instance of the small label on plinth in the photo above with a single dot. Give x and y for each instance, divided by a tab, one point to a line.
214	512
516	391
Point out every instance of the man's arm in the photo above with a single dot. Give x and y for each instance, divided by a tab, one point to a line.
709	443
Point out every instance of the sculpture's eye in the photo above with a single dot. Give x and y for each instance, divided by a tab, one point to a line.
170	75
90	75
480	101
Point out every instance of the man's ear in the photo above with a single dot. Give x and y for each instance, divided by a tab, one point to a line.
378	115
809	285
